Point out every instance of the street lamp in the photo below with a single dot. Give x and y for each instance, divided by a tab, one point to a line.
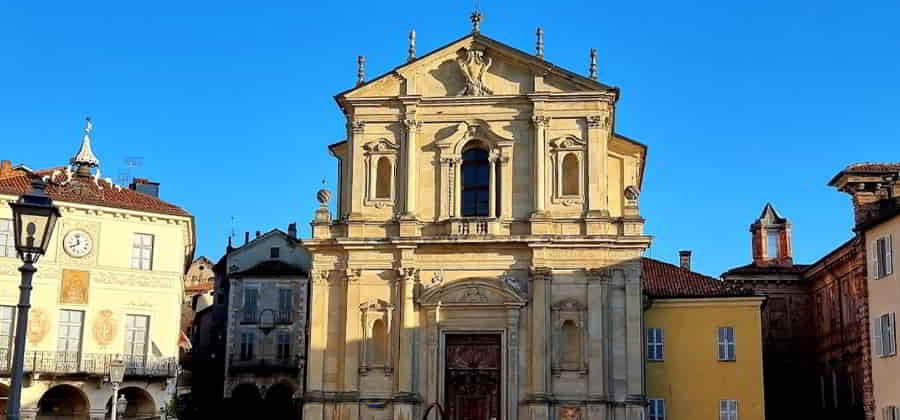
34	216
116	375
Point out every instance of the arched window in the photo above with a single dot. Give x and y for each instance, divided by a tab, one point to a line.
570	174
570	350
475	183
383	181
379	342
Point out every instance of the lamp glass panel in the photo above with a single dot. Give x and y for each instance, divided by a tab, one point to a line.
32	233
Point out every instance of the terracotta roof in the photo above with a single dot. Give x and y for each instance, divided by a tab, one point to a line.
664	280
772	269
874	167
84	190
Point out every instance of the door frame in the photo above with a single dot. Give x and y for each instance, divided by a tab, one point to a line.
504	365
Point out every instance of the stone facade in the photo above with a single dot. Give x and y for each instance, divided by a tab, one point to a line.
266	326
413	265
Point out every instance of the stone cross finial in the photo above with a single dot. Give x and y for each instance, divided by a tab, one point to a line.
412	46
360	70
476	18
593	68
540	43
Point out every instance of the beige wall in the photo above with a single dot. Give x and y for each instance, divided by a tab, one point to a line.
884	298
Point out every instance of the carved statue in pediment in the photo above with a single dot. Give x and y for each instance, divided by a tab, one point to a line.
473	295
474	64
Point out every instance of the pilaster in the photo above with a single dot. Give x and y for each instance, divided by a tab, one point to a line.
353	336
540	123
597	149
410	150
541	278
597	280
356	174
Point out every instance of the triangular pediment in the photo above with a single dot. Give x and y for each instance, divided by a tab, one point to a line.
475	65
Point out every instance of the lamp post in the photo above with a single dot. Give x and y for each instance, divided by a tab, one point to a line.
116	375
34	216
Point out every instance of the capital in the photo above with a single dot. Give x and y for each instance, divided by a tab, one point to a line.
412	124
541	121
407	273
598	274
357	126
598	121
352	274
541	273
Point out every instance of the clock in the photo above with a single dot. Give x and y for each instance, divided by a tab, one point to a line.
78	243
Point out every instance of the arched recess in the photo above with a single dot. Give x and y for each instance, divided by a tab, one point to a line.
570	351
245	401
571	175
141	404
384	178
279	402
63	402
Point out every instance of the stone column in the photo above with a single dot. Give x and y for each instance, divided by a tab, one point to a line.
596	303
406	360
541	123
356	172
316	365
492	184
506	183
541	278
410	149
352	338
446	189
597	133
457	186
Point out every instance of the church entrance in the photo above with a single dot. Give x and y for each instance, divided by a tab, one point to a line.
473	376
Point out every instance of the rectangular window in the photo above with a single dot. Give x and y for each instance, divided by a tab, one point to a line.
285	305
772	244
248	342
250	308
656	409
284	346
891	413
142	252
726	344
882	257
7	241
885	335
70	326
728	410
655	344
136	328
7	316
274	252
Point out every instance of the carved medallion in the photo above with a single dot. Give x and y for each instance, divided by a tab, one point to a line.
38	325
569	413
74	287
474	64
105	327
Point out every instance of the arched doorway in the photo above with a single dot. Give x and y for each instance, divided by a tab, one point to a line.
245	402
63	402
140	404
280	402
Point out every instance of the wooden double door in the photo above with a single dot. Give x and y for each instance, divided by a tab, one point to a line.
472	376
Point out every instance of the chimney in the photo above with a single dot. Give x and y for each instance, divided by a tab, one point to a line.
292	230
145	186
684	259
869	185
246	238
6	168
257	234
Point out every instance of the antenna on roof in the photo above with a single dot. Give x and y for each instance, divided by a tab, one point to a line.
131	163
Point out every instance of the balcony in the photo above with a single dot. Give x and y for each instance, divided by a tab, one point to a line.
284	316
89	364
264	366
473	227
249	316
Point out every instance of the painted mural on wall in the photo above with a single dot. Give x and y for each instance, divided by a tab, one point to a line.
38	325
74	287
105	327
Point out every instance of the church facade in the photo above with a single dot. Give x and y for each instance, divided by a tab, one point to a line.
485	255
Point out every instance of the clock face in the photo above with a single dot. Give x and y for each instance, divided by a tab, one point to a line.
78	243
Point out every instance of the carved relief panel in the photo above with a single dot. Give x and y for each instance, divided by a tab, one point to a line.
74	287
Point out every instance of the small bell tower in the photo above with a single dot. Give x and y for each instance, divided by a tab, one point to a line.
771	239
84	160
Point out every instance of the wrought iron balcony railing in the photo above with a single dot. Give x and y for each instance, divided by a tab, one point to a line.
261	365
284	316
249	316
90	364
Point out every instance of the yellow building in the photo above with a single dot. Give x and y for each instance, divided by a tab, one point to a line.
703	346
110	286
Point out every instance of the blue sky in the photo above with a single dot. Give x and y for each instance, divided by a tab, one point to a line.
229	104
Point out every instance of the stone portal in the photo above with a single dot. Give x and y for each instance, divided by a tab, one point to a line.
472	375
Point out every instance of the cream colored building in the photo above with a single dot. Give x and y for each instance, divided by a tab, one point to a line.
486	251
875	189
110	286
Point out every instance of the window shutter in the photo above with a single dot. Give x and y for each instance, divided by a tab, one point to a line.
873	260
662	347
892	333
889	256
876	337
723	410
